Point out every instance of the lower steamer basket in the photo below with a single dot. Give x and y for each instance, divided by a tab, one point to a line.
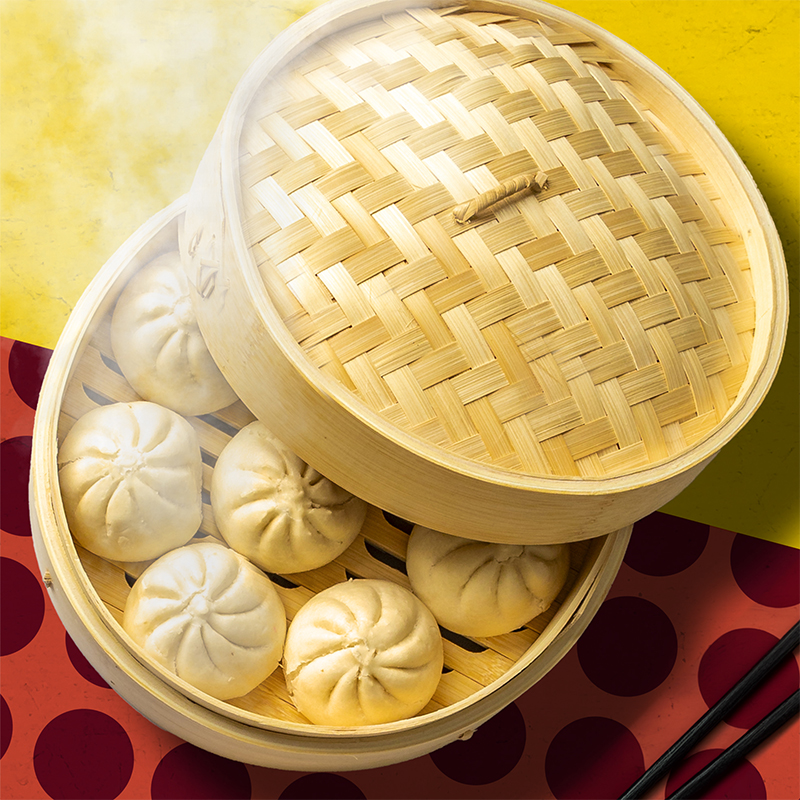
480	677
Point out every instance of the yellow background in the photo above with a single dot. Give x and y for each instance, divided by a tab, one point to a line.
108	105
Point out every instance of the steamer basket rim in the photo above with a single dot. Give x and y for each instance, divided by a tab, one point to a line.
56	553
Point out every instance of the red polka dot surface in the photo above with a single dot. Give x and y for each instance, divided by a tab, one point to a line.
733	655
744	781
603	714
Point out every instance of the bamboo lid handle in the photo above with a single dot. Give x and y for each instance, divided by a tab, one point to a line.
466	211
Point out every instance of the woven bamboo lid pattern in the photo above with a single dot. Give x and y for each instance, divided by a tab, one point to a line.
593	324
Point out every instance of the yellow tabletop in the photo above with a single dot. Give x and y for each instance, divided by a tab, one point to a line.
108	106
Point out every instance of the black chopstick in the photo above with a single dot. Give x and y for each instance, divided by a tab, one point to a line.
713	771
714	715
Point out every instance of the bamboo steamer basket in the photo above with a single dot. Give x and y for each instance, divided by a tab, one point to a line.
573	355
481	676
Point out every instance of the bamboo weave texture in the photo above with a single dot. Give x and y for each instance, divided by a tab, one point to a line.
594	328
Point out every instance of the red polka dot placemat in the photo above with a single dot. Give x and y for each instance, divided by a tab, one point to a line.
693	607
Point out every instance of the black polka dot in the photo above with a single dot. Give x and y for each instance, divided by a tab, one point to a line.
83	753
629	647
27	364
82	666
665	545
6	726
21	605
593	758
189	773
15	456
489	754
322	784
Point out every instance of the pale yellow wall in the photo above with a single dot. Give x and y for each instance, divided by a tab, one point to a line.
108	105
107	108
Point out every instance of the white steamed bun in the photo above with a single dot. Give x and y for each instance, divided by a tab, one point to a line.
158	345
272	507
209	616
483	589
362	652
131	481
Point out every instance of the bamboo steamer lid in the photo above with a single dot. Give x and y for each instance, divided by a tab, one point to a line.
484	264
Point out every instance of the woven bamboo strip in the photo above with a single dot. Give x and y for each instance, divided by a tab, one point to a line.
623	245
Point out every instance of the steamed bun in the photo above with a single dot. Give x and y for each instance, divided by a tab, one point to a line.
362	652
131	481
272	507
483	589
209	616
158	345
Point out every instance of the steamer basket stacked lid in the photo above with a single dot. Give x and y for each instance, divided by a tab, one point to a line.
555	367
